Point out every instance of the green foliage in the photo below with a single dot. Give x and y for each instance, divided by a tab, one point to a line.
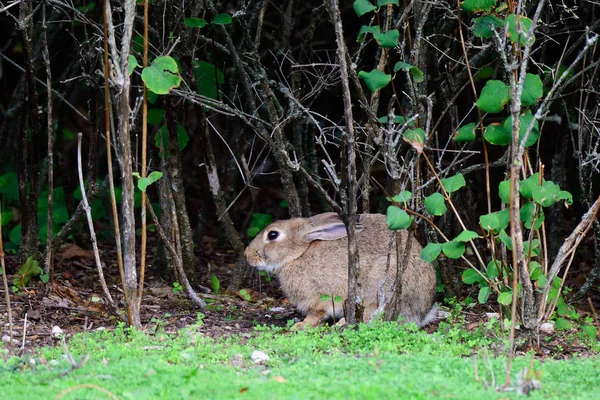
208	77
416	138
161	138
361	7
9	188
375	79
518	28
435	204
162	75
216	284
494	96
402	197
132	64
417	74
497	135
454	183
472	6
195	22
177	288
397	218
222	19
465	133
431	252
144	182
31	268
496	221
245	295
155	116
258	222
533	89
482	26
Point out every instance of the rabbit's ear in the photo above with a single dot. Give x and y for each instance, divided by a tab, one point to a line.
326	226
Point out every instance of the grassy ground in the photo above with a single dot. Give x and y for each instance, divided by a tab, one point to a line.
379	361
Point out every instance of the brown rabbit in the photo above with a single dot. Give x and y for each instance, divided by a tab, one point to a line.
309	256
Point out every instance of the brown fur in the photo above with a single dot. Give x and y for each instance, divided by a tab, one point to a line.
308	269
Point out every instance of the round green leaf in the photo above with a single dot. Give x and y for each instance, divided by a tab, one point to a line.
505	239
518	33
504	191
526	185
417	74
494	96
155	116
495	221
416	138
388	39
207	76
470	276
492	269
482	26
535	270
454	183
525	119
477	5
535	248
398	119
453	249
533	89
132	64
375	79
381	3
397	218
467	235
222	19
402	197
484	293
546	194
566	196
160	77
367	29
361	7
195	22
435	204
528	215
497	135
161	137
431	252
465	133
505	298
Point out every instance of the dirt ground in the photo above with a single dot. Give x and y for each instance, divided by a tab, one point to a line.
74	298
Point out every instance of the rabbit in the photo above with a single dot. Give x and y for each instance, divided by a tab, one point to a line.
309	256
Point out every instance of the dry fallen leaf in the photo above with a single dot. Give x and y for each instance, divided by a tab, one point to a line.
74	251
279	379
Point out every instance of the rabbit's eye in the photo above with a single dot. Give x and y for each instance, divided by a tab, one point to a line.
272	235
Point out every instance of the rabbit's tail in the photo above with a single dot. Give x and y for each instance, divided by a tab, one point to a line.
434	314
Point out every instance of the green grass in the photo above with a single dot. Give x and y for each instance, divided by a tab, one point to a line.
379	361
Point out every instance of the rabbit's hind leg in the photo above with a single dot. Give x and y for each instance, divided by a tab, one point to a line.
313	318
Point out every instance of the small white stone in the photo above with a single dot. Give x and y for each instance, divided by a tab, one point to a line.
56	332
547	327
491	315
259	357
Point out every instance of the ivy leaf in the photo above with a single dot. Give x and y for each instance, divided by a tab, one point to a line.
528	214
132	64
527	185
375	79
494	96
465	133
466	236
472	6
207	76
361	7
454	183
492	269
535	270
416	138
484	293
453	249
546	194
402	197
533	89
416	72
566	196
505	298
431	252
161	76
534	245
367	29
398	119
497	135
482	26
397	218
434	204
519	34
161	138
381	3
195	22
470	276
525	119
222	19
495	221
505	239
504	191
388	39
155	116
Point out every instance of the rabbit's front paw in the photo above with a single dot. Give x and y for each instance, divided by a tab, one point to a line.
313	318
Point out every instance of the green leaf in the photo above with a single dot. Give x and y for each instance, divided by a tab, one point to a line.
381	3
495	221
494	96
454	183
566	196
216	284
416	138
402	197
417	74
160	77
195	22
505	298
465	133
132	64
325	297
361	7
526	186
155	116
337	299
528	215
535	248
375	79
9	187
28	270
367	29
398	119
562	324
397	218
533	89
161	139
520	34
482	26
470	276
504	191
222	19
477	5
505	239
143	183
547	194
388	39
497	135
484	293
590	331
525	119
207	76
431	252
492	269
435	204
466	236
535	270
453	249
257	223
